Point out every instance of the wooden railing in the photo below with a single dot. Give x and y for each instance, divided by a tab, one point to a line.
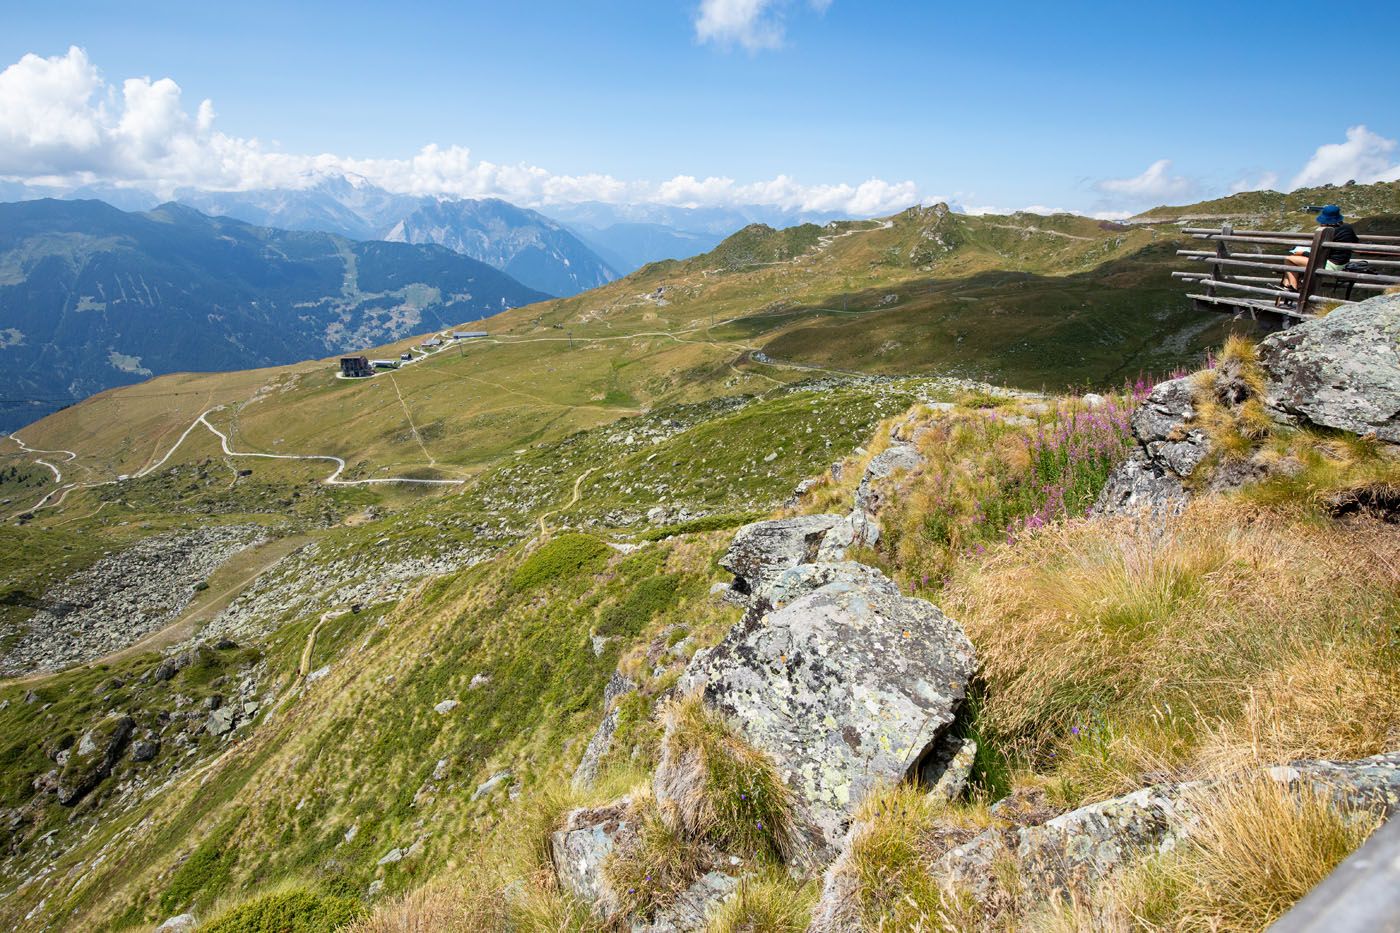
1234	285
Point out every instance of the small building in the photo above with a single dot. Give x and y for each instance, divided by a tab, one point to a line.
432	342
406	357
384	364
355	367
467	334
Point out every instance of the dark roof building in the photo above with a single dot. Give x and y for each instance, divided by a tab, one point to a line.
355	367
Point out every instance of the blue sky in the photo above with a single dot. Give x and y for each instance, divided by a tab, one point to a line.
1005	105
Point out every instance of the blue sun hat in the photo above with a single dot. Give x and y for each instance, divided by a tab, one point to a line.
1331	214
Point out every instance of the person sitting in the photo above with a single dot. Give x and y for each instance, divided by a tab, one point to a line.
1329	216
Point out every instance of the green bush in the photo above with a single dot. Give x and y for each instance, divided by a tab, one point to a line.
648	599
292	911
566	555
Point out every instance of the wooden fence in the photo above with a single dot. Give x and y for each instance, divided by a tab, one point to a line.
1234	283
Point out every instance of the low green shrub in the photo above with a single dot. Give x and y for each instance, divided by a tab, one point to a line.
295	910
646	600
566	555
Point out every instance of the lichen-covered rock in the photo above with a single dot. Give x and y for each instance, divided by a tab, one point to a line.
581	848
1140	485
1077	849
847	688
92	760
587	771
763	550
899	457
948	769
1341	371
798	581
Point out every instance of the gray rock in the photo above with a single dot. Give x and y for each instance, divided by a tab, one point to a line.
1162	424
601	742
693	906
763	550
1080	848
1341	371
948	769
490	784
1139	485
1151	479
145	748
847	688
581	848
180	923
900	457
794	583
445	707
391	857
221	721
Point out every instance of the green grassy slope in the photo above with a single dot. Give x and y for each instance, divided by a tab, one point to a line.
893	297
1277	207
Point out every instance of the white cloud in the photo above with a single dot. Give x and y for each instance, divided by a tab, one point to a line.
1265	181
62	123
1365	157
753	24
1156	182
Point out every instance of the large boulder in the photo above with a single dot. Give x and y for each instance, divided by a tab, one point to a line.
1341	371
847	688
763	550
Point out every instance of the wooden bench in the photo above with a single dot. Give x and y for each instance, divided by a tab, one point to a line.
1234	284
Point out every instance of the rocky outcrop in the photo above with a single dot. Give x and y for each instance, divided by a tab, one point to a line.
580	850
599	745
847	688
761	551
93	758
1341	371
1077	849
123	597
899	457
1169	450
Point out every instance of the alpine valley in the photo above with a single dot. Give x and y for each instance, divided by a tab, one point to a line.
920	572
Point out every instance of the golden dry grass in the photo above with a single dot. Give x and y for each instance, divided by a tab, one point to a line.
1228	636
1257	849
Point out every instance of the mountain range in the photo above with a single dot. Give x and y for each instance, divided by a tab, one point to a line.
567	250
93	297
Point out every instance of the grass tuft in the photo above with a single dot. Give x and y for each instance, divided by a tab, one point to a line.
771	902
656	865
1258	848
723	790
